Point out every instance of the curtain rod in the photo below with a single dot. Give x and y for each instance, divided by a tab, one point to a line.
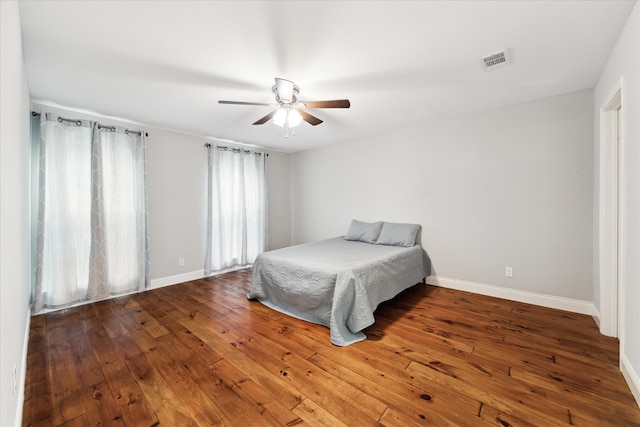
235	150
111	128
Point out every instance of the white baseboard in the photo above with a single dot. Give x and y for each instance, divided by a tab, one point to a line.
186	277
23	371
631	376
178	278
561	303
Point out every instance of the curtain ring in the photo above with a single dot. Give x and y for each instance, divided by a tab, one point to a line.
77	122
111	128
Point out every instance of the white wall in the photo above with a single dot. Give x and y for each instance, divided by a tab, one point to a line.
624	63
14	213
177	202
177	196
279	191
511	187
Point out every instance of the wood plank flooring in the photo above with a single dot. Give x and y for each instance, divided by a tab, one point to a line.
200	353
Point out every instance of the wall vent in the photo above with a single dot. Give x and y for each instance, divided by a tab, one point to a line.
496	60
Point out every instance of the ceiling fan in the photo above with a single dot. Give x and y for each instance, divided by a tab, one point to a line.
289	112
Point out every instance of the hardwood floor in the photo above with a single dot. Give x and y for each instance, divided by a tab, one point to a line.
200	353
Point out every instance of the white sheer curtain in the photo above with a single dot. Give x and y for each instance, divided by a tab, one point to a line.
119	249
237	220
64	217
92	237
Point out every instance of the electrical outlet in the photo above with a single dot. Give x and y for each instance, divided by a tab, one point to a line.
181	262
508	272
15	380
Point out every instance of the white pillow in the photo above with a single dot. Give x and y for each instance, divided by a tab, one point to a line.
363	231
398	234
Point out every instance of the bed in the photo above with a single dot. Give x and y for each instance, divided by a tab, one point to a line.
339	282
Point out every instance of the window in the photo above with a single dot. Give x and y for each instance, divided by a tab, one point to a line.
237	208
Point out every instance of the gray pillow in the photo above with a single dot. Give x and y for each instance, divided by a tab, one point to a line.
398	234
363	231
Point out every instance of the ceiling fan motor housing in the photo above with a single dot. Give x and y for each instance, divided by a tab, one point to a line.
285	91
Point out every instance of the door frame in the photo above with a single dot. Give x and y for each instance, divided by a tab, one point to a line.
610	255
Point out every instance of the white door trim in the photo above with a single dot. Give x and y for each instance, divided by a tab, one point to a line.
610	225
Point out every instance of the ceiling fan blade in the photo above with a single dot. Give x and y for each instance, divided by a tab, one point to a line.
243	103
265	119
312	120
336	103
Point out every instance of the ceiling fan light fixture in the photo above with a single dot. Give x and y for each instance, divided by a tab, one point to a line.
287	117
294	118
280	117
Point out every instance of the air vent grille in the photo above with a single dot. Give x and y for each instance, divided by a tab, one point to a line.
496	60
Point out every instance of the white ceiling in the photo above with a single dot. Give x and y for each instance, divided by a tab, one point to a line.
167	63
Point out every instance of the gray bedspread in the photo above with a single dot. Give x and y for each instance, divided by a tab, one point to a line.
335	282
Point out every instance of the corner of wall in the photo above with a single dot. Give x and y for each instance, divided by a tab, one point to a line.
631	376
23	371
15	218
596	316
